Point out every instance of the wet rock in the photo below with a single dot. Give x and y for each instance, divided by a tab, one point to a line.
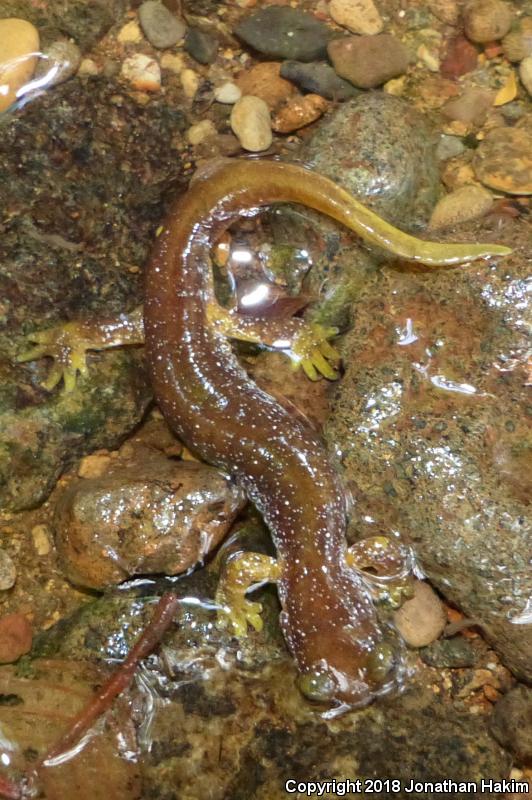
517	44
142	72
130	33
298	112
449	147
190	82
161	28
57	264
450	653
59	62
368	61
421	619
201	131
15	637
359	16
471	107
318	79
525	73
511	723
284	32
408	425
8	571
250	121
487	20
381	150
447	11
148	514
466	203
460	58
227	93
201	46
503	160
264	81
19	41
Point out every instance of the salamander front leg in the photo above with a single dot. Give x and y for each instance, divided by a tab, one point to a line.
69	343
306	344
386	565
241	573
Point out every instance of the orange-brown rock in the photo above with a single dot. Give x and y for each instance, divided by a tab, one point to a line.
298	112
264	81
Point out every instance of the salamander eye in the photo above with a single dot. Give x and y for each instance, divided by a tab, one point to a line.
317	685
381	662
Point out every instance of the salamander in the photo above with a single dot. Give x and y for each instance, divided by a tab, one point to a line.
344	655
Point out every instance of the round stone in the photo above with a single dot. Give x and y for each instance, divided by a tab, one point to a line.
487	20
19	47
358	16
250	121
161	28
503	160
284	32
466	203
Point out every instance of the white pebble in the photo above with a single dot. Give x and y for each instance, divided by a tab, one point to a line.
250	121
358	16
227	93
142	72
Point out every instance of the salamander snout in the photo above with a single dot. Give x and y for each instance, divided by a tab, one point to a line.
376	674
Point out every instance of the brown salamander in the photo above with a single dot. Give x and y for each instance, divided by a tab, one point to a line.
328	617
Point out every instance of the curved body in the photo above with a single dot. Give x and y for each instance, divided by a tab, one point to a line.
328	616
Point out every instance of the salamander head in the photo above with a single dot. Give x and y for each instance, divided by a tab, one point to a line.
353	681
356	681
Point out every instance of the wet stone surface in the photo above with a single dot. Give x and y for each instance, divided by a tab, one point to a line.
430	425
85	197
145	514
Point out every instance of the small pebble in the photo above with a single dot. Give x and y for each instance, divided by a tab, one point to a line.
525	73
250	121
173	62
318	79
368	61
284	32
517	44
19	41
358	16
471	107
130	33
88	68
449	147
201	46
422	619
189	82
450	653
94	465
161	28
298	112
466	203
142	72
447	11
503	159
41	539
264	81
59	62
8	572
15	637
201	131
460	58
487	20
227	93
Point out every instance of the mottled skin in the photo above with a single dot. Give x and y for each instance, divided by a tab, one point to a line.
328	616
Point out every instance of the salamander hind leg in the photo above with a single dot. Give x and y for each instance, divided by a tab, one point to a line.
306	344
386	565
242	572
